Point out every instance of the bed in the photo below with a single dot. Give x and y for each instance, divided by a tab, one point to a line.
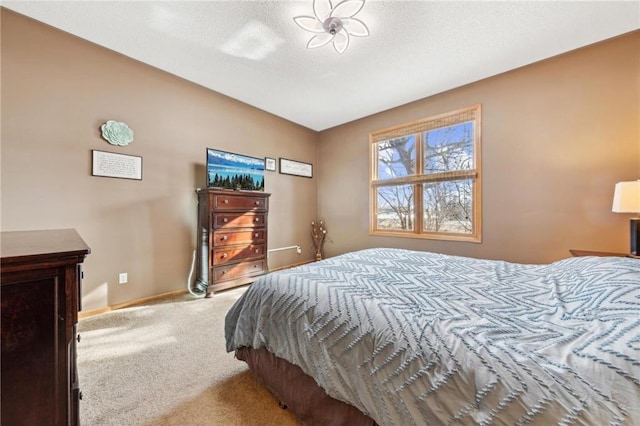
399	337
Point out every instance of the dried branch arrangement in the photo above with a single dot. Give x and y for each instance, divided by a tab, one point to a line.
318	233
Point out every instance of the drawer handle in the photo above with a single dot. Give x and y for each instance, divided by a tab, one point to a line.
256	235
78	338
257	203
224	255
224	238
226	201
225	220
257	219
257	251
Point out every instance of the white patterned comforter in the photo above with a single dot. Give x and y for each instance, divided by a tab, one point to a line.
420	338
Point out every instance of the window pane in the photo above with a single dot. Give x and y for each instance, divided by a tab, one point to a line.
395	208
397	157
449	148
448	207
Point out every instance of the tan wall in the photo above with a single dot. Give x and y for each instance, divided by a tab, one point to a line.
56	92
556	137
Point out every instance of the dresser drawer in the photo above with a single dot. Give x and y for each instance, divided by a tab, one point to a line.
238	270
238	220
234	202
235	254
250	236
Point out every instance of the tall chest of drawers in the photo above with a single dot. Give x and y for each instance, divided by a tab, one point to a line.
232	238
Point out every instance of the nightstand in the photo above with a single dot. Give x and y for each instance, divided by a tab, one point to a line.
577	253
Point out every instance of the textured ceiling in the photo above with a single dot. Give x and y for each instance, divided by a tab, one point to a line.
254	52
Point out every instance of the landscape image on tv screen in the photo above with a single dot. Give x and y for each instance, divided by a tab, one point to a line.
234	171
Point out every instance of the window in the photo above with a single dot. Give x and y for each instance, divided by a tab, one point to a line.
425	178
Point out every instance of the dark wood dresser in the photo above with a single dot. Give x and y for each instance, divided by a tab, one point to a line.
232	238
40	298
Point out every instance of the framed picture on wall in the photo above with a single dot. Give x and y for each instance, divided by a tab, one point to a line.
270	164
296	168
110	164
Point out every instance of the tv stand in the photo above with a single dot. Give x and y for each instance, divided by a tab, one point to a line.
232	238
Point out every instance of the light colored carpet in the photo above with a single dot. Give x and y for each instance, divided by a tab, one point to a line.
165	363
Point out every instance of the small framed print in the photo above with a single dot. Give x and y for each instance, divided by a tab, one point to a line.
296	168
110	164
270	164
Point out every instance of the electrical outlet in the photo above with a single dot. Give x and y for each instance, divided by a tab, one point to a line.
123	278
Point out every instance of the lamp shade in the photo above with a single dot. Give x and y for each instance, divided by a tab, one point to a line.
626	198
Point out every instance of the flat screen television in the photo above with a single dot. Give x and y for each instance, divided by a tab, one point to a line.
234	171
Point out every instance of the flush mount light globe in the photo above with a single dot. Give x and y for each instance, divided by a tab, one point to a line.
333	24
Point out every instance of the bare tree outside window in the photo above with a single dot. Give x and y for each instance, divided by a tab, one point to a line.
447	207
396	159
395	207
448	204
425	178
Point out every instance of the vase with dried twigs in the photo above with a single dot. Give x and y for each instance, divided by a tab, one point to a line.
318	233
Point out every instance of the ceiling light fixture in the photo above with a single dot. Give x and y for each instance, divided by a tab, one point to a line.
333	24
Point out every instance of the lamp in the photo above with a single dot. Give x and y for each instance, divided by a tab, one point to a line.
626	199
333	23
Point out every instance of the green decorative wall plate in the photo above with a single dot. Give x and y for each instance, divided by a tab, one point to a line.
117	133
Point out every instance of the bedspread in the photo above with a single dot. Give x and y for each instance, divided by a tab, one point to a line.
414	337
